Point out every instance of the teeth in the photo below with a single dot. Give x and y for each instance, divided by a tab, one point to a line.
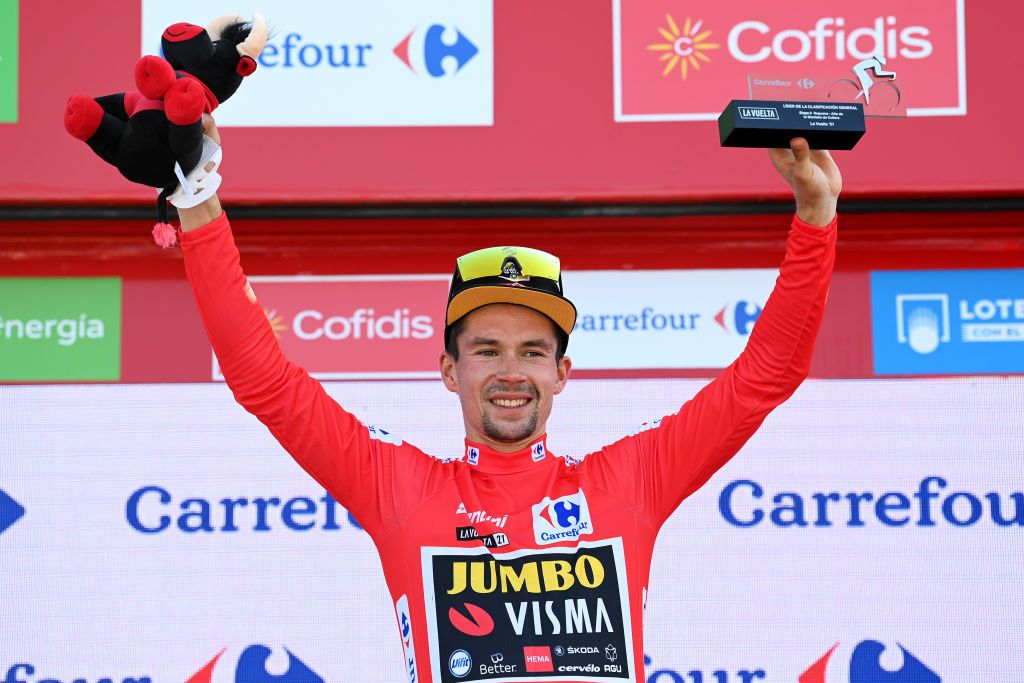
506	403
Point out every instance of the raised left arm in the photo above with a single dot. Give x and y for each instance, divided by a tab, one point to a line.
658	468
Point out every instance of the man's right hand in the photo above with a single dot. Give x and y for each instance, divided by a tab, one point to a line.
204	213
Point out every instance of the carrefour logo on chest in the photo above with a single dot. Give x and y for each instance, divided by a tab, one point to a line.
561	519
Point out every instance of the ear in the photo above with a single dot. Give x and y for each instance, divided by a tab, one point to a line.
449	375
564	366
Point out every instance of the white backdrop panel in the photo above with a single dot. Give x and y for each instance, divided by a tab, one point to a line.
87	595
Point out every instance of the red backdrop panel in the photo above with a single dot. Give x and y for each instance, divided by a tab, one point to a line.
554	136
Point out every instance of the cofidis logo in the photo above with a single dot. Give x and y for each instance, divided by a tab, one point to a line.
948	321
863	665
356	327
681	62
255	664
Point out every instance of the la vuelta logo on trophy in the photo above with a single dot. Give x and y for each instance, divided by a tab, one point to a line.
683	62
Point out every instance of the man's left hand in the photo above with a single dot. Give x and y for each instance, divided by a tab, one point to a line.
814	177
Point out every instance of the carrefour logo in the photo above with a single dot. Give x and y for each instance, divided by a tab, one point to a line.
863	665
934	502
561	519
405	628
394	63
155	510
23	672
295	52
256	664
10	511
738	317
438	50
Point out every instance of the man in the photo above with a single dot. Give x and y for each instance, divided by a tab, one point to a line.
506	562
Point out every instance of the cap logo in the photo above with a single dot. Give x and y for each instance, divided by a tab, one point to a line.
512	270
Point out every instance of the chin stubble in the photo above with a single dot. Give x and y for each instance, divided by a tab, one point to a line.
511	433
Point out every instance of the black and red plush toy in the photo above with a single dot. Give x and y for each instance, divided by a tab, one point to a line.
154	135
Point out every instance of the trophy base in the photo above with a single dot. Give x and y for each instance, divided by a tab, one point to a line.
767	123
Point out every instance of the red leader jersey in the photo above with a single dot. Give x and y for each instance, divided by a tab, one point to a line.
514	566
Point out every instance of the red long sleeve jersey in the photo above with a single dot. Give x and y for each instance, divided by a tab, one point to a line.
513	566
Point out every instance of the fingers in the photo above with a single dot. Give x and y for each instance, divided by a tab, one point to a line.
210	128
801	150
781	159
822	158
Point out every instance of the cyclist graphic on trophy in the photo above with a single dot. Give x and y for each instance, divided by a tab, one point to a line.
863	70
828	112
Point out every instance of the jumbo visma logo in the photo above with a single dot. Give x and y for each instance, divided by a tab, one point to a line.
438	50
559	610
255	664
863	665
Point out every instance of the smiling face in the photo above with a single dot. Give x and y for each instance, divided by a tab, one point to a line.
506	374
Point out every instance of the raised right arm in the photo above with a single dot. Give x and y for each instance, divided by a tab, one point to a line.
326	441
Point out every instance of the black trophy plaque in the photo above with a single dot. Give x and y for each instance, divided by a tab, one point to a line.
768	123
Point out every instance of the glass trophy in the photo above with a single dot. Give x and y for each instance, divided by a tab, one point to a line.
829	111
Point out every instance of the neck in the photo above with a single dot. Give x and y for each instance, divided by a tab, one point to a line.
488	460
499	446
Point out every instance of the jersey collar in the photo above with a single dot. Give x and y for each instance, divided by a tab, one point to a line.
488	460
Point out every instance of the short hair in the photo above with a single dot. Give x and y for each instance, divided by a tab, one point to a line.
451	344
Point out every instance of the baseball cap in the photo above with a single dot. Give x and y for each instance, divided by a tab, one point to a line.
510	275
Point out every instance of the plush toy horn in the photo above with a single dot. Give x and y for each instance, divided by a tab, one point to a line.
217	25
253	45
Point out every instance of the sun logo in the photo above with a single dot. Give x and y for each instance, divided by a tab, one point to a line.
276	322
685	48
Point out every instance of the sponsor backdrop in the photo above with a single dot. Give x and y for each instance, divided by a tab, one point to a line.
9	61
157	533
60	329
394	63
442	100
681	323
708	53
388	326
948	321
